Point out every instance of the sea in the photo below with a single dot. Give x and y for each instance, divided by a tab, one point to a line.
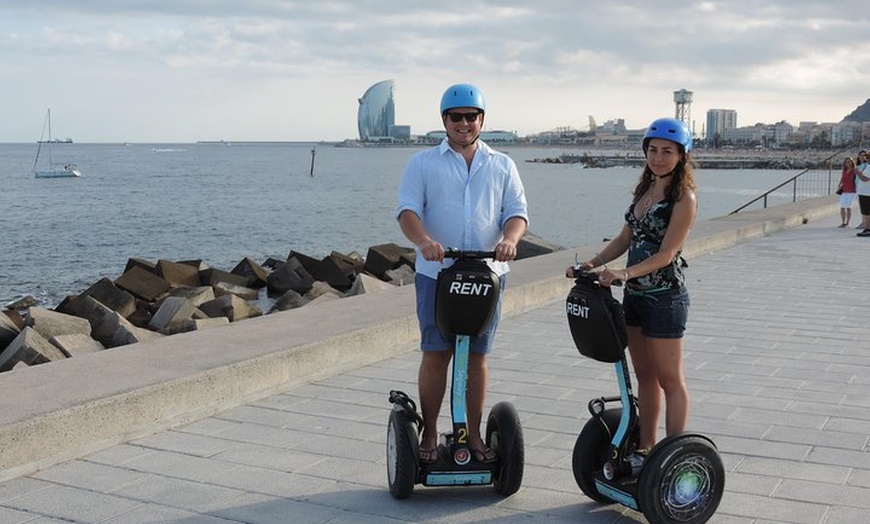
222	202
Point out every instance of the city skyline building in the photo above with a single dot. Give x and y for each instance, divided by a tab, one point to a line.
376	115
719	121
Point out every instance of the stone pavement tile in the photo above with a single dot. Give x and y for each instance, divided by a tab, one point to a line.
156	513
822	493
91	476
72	504
191	495
262	509
188	443
840	457
14	516
860	478
823	438
21	487
782	418
769	509
269	457
788	469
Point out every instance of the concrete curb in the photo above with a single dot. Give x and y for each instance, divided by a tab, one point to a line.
57	412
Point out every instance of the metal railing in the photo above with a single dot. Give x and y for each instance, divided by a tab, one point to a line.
812	182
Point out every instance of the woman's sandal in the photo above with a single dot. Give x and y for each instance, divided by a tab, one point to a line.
484	455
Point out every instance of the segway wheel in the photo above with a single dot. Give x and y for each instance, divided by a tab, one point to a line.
504	435
682	481
401	454
590	452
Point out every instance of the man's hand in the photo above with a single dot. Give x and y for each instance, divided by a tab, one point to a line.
505	251
432	251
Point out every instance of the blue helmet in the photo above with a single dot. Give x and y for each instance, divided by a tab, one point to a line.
669	129
462	95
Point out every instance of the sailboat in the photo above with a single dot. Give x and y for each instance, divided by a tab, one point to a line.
52	171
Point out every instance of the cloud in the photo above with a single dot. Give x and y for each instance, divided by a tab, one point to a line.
543	63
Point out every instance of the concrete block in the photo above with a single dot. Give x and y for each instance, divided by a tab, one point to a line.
287	301
231	307
173	310
401	276
178	274
368	284
212	276
142	263
50	323
326	270
290	275
15	317
76	344
350	263
31	348
8	330
142	284
107	326
144	311
22	303
197	295
319	289
254	273
111	296
384	257
225	288
196	324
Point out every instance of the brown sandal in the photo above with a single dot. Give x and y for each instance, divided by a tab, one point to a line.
484	455
428	455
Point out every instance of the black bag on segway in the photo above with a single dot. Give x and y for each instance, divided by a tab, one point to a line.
597	321
466	298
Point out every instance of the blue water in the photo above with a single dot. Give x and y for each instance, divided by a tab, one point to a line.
221	203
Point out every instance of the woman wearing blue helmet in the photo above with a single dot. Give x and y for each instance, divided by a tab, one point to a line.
655	300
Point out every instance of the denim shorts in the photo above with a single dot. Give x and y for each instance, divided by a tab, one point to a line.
660	314
431	338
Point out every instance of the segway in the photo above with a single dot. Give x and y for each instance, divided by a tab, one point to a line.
467	296
682	478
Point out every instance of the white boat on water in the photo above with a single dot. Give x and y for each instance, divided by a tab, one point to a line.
52	170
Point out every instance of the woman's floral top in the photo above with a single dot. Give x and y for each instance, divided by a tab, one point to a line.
647	233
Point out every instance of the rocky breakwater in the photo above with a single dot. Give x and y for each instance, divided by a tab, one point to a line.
156	299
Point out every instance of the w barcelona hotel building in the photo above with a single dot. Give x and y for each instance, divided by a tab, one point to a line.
376	118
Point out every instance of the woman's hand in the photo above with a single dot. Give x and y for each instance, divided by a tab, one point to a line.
585	266
609	277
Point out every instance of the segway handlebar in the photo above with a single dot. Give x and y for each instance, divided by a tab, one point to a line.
578	273
453	252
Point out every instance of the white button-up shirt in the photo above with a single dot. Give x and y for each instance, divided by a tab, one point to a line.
461	207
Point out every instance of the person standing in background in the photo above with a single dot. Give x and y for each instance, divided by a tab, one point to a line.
862	187
460	194
847	191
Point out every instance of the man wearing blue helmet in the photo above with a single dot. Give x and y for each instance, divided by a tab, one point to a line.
460	194
655	299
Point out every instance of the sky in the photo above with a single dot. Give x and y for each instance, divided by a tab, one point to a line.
273	70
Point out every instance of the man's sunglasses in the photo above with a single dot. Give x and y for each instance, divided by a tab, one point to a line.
469	117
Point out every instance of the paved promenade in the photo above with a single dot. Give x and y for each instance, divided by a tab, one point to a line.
777	359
